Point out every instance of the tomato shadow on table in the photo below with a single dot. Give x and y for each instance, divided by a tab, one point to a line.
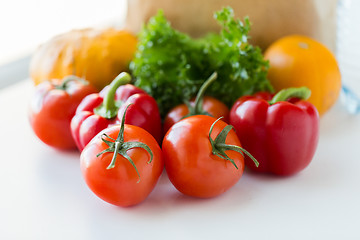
166	205
316	177
60	176
166	199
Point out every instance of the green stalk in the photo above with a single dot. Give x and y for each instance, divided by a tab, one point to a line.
109	109
119	146
197	108
302	92
66	80
219	146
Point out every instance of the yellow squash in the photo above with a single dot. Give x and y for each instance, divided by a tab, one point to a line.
96	55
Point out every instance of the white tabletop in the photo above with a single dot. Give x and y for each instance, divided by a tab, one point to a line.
43	195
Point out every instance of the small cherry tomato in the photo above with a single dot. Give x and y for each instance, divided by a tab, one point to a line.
52	108
203	156
200	106
122	165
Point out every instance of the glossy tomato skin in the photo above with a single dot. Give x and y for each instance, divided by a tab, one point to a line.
211	105
51	110
283	137
189	162
119	186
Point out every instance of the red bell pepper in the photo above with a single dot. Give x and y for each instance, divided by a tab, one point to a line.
99	111
52	108
282	134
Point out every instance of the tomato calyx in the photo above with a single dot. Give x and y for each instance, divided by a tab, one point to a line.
119	146
72	78
197	107
219	146
109	108
302	93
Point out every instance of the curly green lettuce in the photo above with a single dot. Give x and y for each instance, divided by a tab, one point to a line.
171	66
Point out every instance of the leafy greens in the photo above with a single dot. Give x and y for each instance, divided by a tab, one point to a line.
171	66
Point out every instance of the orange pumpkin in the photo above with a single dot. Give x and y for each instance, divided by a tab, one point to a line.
96	55
297	61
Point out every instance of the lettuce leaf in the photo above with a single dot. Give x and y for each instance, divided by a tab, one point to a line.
171	66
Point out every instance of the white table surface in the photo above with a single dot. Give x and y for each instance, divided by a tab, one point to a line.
43	195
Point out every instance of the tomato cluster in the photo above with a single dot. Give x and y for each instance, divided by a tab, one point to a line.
119	132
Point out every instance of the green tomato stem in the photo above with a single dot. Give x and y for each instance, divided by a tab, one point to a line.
302	92
119	146
119	140
219	146
197	108
200	95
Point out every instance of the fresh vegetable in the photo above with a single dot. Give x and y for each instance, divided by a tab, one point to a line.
98	55
99	111
52	107
282	135
297	61
171	66
122	165
203	156
200	106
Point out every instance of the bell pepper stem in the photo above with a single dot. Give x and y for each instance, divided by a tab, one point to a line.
302	92
109	99
64	84
109	109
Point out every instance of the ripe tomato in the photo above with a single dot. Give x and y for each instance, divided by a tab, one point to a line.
297	61
52	108
210	105
198	165
201	105
127	176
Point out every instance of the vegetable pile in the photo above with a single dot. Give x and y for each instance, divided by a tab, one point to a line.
177	114
171	66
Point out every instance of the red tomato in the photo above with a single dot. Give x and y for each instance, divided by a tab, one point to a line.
52	108
210	105
190	159
119	182
201	105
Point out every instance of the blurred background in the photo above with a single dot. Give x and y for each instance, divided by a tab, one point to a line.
24	25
